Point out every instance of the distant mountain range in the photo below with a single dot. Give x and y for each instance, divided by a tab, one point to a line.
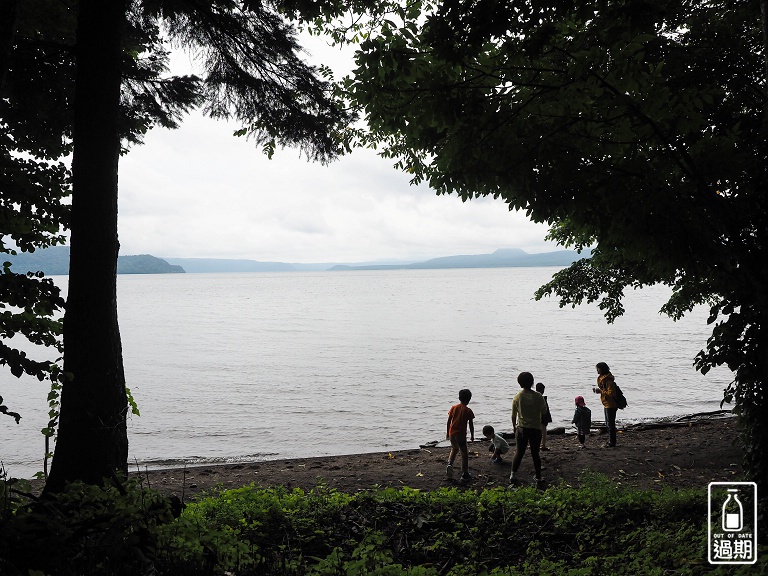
502	258
55	261
505	257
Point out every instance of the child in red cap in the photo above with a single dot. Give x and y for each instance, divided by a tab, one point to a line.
582	418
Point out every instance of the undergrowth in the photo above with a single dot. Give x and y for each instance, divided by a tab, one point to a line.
598	528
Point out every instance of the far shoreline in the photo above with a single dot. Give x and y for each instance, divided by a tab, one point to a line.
677	455
689	455
139	467
662	422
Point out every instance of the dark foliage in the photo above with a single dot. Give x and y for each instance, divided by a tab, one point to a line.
636	130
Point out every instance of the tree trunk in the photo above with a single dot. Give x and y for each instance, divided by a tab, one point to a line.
92	441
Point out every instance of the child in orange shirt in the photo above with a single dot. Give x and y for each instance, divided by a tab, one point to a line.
459	416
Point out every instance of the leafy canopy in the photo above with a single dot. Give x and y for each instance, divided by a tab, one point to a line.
82	64
34	182
636	128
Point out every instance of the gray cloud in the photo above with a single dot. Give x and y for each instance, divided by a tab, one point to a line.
201	192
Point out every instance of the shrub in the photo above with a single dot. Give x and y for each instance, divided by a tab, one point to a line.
597	529
84	530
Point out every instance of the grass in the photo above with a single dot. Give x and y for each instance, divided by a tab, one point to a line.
598	528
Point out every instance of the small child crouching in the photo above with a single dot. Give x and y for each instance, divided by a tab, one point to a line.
498	445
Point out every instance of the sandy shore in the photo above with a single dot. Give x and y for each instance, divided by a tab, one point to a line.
683	456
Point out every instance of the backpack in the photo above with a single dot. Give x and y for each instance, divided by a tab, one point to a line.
546	418
621	400
586	418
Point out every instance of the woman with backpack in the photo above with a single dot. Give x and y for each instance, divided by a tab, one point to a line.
606	387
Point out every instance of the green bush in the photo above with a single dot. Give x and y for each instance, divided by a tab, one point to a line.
599	528
84	530
255	529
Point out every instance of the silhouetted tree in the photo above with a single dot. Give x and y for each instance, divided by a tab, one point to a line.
33	186
639	128
110	67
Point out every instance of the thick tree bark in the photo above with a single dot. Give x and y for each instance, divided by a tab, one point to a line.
92	442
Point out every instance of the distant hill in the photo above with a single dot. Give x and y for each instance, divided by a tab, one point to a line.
146	264
54	261
216	265
502	258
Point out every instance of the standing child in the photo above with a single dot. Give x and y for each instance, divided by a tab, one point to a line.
545	419
582	418
527	410
459	416
498	445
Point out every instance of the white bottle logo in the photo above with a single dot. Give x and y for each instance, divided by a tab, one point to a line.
733	512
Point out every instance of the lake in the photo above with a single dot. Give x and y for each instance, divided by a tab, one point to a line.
244	367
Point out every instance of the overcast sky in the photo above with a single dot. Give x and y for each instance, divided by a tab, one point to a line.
200	192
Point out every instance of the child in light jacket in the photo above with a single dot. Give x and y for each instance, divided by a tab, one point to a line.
499	445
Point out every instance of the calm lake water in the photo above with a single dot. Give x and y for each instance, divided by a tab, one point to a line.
277	365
